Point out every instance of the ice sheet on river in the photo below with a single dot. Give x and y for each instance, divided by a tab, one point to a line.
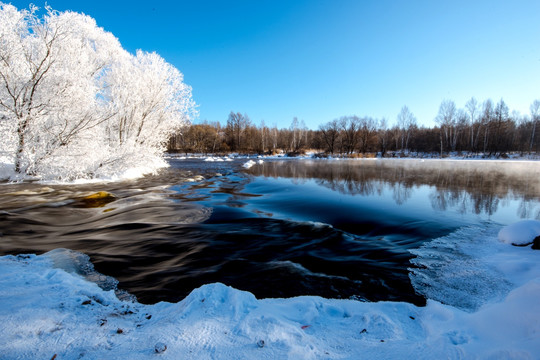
46	311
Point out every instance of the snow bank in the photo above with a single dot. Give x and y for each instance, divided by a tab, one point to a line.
213	158
249	164
124	167
520	233
49	306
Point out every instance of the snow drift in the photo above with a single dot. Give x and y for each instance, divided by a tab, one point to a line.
520	233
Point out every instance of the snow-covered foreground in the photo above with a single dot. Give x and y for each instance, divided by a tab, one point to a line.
49	310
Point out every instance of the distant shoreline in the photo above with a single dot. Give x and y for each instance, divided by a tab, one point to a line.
391	156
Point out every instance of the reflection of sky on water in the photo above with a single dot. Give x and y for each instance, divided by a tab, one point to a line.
461	193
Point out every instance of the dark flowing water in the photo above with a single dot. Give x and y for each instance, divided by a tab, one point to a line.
339	229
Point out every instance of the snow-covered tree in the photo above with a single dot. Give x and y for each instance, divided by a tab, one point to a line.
74	103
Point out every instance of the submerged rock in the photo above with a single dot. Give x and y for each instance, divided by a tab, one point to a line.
99	199
536	243
160	347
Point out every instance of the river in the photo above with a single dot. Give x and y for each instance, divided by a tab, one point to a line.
282	228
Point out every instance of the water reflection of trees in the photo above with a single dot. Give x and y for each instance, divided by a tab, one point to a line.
478	187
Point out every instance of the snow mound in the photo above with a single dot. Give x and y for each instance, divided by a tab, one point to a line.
520	233
213	158
249	164
74	262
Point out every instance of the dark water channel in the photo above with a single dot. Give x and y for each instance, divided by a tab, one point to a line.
339	229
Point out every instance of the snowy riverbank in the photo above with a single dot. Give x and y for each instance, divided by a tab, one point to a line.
130	169
49	311
312	154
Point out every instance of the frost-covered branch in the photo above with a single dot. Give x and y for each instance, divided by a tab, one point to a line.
71	97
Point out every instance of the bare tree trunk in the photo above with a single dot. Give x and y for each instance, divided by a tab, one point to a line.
532	136
21	131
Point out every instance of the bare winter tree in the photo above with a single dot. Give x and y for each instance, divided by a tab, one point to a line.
265	135
274	134
406	123
446	119
298	132
535	117
236	127
330	134
294	128
383	136
367	130
460	125
350	126
487	117
472	108
500	127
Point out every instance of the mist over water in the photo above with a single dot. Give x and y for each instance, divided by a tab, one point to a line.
468	191
339	229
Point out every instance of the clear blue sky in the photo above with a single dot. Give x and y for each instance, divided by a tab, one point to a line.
319	60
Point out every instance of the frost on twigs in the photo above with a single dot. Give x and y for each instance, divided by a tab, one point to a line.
75	104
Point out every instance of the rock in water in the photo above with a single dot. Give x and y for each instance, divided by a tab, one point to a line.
536	243
99	199
160	347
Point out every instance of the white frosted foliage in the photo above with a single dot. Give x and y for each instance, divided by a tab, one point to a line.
75	104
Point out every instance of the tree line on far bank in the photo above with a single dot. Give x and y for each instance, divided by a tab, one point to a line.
486	128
